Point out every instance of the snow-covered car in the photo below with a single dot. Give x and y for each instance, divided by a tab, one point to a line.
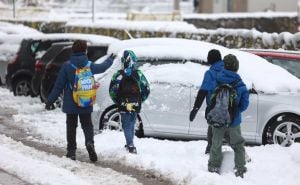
175	69
289	60
21	69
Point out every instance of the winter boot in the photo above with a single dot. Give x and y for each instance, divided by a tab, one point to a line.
132	149
239	172
71	154
92	153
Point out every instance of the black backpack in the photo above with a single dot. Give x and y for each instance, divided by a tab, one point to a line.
129	92
222	108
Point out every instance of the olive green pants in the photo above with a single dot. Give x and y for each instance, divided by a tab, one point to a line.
236	142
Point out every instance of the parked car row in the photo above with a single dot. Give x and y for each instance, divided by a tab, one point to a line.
39	59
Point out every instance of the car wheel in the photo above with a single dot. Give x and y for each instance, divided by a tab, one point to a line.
111	120
22	87
284	131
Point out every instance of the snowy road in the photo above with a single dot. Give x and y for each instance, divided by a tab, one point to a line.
42	133
23	157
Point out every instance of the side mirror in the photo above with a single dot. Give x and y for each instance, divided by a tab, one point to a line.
252	91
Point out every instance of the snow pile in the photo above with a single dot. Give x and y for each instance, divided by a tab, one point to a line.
151	26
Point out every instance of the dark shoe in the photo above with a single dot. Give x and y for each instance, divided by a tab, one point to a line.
213	169
71	154
207	150
92	153
132	149
239	172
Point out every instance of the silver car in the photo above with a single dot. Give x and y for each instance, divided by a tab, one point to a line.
175	68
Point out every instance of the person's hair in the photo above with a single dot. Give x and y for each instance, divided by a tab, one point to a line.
79	46
213	56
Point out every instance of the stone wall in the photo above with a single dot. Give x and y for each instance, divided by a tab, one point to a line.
263	24
231	38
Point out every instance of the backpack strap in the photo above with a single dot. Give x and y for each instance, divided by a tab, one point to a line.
73	66
89	63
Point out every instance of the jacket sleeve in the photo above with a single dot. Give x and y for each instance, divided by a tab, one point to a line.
101	68
59	85
144	86
244	102
199	99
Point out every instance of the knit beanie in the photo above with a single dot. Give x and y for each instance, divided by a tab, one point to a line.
213	56
231	63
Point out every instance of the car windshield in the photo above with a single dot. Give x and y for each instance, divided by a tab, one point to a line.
292	66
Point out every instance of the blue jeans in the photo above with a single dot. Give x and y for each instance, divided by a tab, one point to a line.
128	120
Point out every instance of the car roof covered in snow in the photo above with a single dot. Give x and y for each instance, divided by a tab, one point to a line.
254	70
94	39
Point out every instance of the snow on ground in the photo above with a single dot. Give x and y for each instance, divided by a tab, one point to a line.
38	167
183	162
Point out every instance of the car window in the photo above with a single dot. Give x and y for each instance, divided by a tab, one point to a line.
142	61
34	45
96	52
292	66
63	56
51	52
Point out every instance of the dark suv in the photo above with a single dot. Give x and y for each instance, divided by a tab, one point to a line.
53	67
289	60
20	71
41	63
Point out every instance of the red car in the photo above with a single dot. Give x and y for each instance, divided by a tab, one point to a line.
289	60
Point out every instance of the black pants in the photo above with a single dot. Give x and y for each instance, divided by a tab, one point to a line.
86	125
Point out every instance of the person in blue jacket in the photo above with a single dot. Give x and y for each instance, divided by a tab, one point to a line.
229	76
208	85
63	84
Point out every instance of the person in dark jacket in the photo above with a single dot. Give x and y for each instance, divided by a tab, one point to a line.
229	76
63	84
128	89
208	85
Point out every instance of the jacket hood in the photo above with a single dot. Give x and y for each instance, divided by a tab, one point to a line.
79	59
228	77
217	66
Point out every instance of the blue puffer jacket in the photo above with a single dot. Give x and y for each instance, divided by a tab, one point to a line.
65	80
230	77
209	81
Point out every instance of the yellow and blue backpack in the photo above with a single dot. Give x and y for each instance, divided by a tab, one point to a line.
84	88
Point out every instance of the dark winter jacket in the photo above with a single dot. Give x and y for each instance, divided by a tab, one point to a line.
209	83
242	99
65	81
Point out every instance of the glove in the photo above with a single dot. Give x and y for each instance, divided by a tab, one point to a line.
49	106
113	56
129	107
193	113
